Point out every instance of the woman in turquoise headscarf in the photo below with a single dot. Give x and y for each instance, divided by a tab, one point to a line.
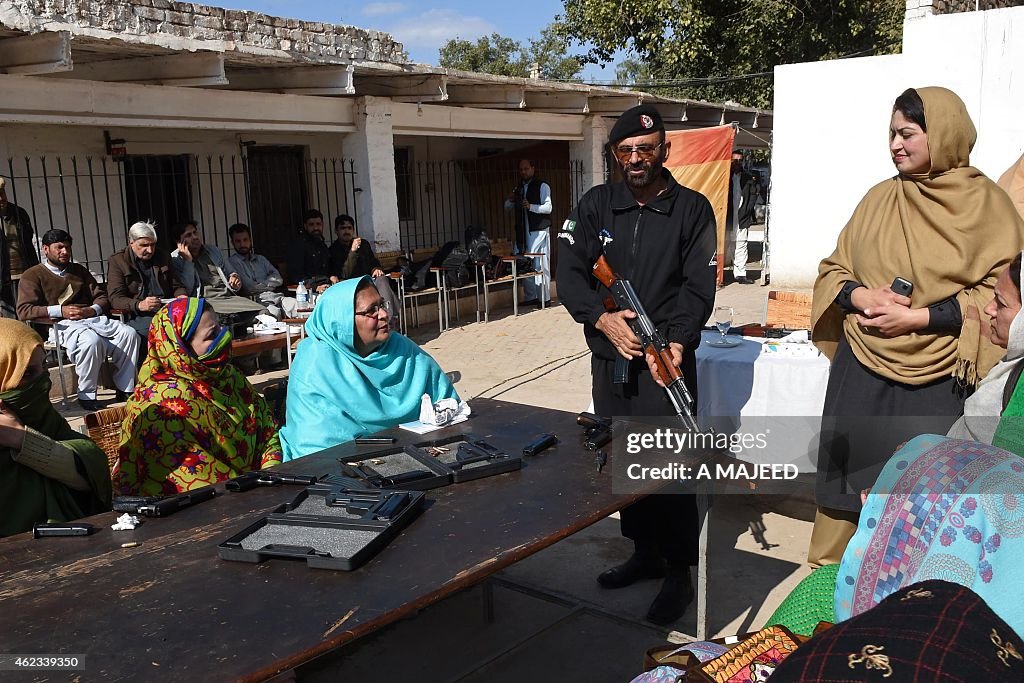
352	375
48	471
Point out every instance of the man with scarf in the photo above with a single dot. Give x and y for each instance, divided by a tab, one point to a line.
661	237
48	471
66	293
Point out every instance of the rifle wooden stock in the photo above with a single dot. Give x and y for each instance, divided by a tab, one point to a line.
604	273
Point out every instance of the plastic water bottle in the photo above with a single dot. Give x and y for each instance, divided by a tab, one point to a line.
302	297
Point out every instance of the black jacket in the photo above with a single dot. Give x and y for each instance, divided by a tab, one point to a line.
16	214
308	258
666	249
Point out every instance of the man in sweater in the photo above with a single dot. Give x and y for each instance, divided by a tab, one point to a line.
204	271
65	292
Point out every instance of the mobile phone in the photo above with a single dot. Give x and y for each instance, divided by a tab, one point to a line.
902	287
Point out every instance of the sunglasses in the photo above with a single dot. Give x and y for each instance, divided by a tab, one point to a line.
646	152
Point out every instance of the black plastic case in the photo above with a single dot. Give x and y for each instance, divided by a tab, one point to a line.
399	462
325	536
506	462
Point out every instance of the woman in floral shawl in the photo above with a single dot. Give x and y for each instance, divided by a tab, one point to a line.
194	419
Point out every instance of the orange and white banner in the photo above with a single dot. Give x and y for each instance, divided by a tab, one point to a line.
700	159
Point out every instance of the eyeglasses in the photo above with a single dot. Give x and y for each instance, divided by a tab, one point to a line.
374	311
645	152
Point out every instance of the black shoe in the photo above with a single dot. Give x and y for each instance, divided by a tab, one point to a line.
91	405
675	596
744	281
531	302
631	571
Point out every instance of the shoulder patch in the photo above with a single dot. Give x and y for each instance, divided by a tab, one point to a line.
569	225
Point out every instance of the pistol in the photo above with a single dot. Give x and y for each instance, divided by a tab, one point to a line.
163	507
250	480
398	480
470	452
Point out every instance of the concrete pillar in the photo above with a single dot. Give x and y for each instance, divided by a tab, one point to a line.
590	150
372	147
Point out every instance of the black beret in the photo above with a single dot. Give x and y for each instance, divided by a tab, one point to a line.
639	120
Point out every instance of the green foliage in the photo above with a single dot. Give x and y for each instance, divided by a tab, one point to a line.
708	43
494	54
502	56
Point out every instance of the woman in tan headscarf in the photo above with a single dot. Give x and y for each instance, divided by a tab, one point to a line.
903	365
1013	182
48	471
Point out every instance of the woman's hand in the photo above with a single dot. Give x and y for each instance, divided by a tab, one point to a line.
894	320
12	431
863	298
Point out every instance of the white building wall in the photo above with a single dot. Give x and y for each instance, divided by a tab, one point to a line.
831	124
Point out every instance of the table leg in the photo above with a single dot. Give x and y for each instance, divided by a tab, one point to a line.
704	516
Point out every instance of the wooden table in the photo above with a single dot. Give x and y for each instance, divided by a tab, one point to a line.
258	343
170	609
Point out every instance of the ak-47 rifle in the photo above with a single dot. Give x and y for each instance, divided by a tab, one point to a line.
625	299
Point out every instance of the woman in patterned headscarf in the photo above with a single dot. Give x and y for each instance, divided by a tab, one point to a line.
48	471
194	419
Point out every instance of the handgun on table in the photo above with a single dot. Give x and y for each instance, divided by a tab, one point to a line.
250	480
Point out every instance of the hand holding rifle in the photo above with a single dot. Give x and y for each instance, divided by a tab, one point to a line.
663	358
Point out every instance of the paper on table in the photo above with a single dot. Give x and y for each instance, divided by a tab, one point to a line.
420	428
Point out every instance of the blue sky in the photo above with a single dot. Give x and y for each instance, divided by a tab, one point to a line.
424	27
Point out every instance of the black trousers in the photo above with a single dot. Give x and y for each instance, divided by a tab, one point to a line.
667	523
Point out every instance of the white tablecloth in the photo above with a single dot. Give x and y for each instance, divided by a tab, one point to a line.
745	389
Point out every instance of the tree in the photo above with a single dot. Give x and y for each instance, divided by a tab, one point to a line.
494	54
549	52
631	70
726	49
502	56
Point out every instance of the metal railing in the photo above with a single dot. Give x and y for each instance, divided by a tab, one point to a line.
96	199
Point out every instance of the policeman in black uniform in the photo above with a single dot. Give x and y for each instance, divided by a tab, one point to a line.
661	236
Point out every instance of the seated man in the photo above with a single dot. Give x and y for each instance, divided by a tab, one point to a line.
204	272
352	375
352	256
260	278
309	259
60	290
48	471
139	278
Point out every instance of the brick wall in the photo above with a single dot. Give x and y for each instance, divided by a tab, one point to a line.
146	19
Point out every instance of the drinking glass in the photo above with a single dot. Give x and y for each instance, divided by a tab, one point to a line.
723	320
